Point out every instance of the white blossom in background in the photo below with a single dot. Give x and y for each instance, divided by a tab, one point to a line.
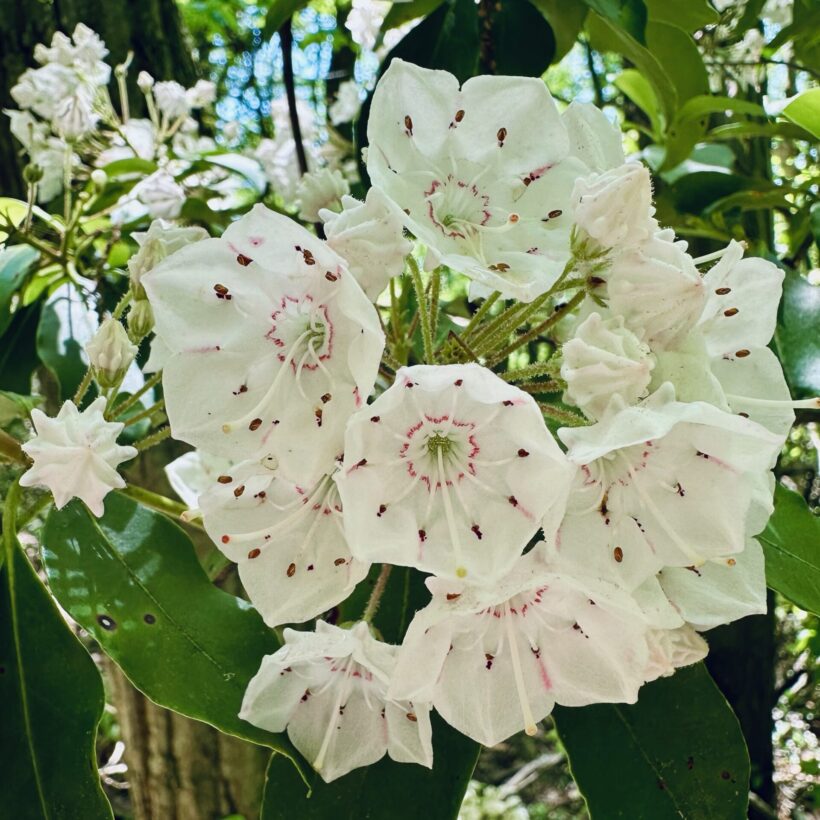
328	688
203	93
162	196
138	139
172	99
44	150
365	20
110	353
273	344
76	454
672	649
318	190
593	139
604	359
73	118
193	473
145	82
348	103
289	542
495	659
369	236
483	172
452	471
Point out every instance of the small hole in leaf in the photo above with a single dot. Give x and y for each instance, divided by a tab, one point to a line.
106	622
149	618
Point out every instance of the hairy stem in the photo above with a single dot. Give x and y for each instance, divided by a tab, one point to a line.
376	596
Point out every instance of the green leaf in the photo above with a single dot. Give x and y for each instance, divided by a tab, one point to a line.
130	165
790	543
279	13
384	791
14	406
640	91
689	15
52	696
695	192
401	13
677	752
796	337
628	15
804	111
131	578
704	104
13	211
15	263
777	130
523	42
18	353
566	21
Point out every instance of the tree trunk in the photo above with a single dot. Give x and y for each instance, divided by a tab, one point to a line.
151	29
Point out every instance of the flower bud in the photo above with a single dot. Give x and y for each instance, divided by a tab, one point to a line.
110	353
32	173
99	179
140	319
319	190
145	82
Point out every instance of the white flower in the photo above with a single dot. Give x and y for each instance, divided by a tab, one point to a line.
76	454
45	151
671	649
662	484
193	473
450	470
73	118
614	208
43	89
657	289
604	359
145	82
159	241
172	100
348	102
329	688
274	344
483	171
203	93
592	137
288	541
369	236
494	660
138	138
110	353
364	21
318	190
161	194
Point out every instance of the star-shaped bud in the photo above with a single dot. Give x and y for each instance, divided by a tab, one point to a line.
495	659
483	172
110	353
328	688
663	484
450	470
76	454
288	540
273	344
369	236
605	359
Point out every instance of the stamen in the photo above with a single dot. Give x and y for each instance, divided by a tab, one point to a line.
461	571
801	404
526	710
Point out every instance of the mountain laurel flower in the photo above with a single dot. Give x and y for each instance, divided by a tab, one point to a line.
495	659
76	454
73	118
273	344
201	94
289	542
369	236
348	103
328	688
604	359
482	171
615	208
193	473
161	194
662	484
672	649
110	353
451	470
593	139
172	100
320	189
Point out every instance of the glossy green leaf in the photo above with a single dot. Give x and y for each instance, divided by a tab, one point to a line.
776	130
676	753
384	791
15	263
689	15
804	111
401	13
131	578
566	21
704	104
628	15
18	354
695	192
523	41
14	406
130	165
52	700
640	91
797	338
12	211
791	544
279	12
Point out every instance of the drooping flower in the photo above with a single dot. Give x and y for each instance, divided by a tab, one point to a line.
274	344
369	236
110	353
76	454
604	359
663	484
451	470
288	541
329	689
495	659
320	189
483	172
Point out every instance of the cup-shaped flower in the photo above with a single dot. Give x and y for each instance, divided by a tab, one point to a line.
495	659
369	236
76	454
450	470
329	689
288	541
663	484
110	353
273	344
482	171
318	190
605	359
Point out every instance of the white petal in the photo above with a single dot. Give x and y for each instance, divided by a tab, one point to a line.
409	734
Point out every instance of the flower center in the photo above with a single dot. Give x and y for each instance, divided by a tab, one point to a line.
457	207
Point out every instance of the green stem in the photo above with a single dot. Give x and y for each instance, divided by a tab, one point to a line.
147	413
10	449
532	371
376	596
121	305
83	387
559	414
156	502
42	502
435	291
10	522
153	439
423	311
136	396
479	315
